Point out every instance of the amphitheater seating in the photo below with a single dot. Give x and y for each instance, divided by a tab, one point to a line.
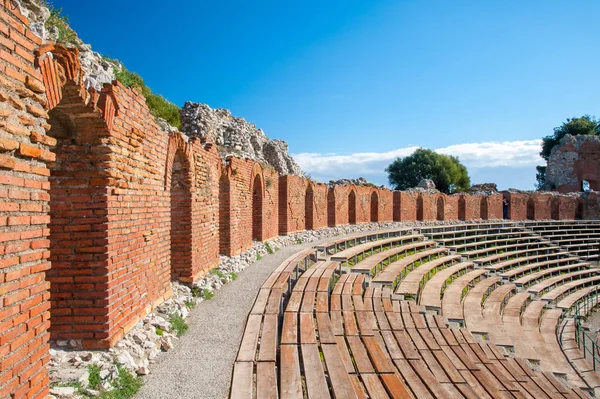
409	317
581	238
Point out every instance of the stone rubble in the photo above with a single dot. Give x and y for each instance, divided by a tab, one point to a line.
361	181
235	136
484	189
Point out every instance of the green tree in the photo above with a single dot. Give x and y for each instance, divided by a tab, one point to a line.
585	125
446	171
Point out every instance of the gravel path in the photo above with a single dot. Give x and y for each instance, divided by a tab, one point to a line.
201	363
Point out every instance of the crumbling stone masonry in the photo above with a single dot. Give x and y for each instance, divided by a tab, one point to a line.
575	159
100	209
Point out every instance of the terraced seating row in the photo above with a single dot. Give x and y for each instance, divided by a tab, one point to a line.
581	238
368	333
354	254
341	244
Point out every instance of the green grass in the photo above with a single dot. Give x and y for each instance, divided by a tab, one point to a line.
57	20
207	294
217	273
125	385
159	331
196	292
179	325
190	304
94	379
233	275
258	256
159	106
269	248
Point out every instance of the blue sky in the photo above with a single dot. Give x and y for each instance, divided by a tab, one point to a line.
350	84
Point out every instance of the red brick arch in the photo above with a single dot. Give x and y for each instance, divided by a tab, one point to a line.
178	145
374	205
352	205
440	207
80	126
179	182
257	190
309	208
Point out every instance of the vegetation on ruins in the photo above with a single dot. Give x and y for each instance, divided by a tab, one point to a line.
60	22
446	171
159	106
178	324
585	125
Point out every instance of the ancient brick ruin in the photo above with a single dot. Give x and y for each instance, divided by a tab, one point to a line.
575	160
101	209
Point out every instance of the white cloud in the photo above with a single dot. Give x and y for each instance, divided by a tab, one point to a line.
507	154
493	154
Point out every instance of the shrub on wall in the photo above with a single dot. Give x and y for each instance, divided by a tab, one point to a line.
159	106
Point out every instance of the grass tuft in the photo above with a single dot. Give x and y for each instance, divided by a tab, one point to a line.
207	294
179	325
269	248
217	273
94	379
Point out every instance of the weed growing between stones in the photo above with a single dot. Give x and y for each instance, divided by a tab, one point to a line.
207	294
217	273
125	385
159	331
94	380
196	292
270	249
233	275
178	324
190	304
258	257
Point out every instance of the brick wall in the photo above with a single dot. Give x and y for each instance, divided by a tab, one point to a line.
590	206
271	204
539	206
293	197
564	208
469	207
338	206
451	207
517	205
319	205
407	206
386	205
363	204
494	207
236	204
428	207
24	201
249	205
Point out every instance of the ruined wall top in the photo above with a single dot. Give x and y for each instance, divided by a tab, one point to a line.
236	136
575	159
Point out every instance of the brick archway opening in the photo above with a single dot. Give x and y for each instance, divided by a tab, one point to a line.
308	208
181	218
555	209
483	209
78	217
462	208
257	206
420	208
330	208
374	207
352	207
530	209
440	208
